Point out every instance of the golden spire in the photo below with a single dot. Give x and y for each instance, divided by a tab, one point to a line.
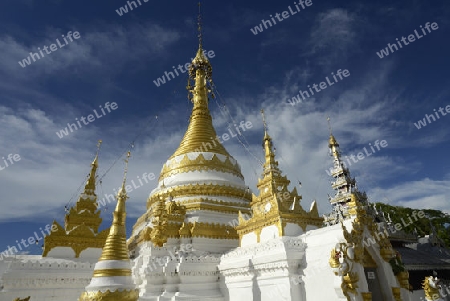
90	183
116	247
85	210
270	161
200	135
332	143
265	124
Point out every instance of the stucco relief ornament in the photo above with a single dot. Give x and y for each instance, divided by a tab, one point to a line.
158	233
341	262
431	287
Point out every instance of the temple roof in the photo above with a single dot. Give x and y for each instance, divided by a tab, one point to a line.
420	260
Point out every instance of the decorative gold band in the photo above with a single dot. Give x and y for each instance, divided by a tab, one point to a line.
112	272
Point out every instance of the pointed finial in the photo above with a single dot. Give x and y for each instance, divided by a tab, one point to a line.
332	141
264	120
329	125
98	145
126	168
200	28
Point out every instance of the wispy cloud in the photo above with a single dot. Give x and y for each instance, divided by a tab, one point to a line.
92	52
334	35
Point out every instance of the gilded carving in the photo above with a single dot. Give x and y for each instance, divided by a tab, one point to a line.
160	220
79	239
125	295
194	190
216	231
195	204
200	164
367	296
396	291
350	284
334	259
403	279
342	259
431	286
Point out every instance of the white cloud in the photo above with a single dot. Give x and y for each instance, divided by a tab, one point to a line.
422	194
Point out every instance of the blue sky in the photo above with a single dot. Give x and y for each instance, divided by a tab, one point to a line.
117	58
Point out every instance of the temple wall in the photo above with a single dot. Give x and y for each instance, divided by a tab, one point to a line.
268	233
249	239
90	254
45	279
263	272
292	230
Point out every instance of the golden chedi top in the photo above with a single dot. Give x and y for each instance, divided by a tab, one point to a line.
112	278
200	129
201	185
200	141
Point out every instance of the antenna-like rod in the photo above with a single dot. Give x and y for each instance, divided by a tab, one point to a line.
200	27
329	125
126	168
264	120
98	146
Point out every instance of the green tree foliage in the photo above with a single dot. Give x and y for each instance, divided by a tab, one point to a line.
402	215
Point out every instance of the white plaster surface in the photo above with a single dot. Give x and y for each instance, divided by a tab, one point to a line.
268	233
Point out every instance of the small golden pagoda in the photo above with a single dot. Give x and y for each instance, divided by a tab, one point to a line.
82	221
276	205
